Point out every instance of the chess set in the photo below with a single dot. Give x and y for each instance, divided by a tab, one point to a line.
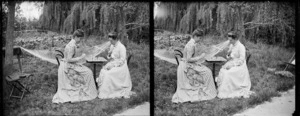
93	59
216	59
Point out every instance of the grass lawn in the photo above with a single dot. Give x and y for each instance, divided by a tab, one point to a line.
44	82
265	84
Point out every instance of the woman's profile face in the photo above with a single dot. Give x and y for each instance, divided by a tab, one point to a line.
197	39
112	41
232	41
77	39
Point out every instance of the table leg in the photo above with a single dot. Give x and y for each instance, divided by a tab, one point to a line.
214	70
94	71
19	61
214	77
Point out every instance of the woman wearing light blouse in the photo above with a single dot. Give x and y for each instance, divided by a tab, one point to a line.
233	79
194	81
114	80
75	81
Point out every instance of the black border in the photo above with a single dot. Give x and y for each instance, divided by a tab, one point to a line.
297	89
151	22
151	18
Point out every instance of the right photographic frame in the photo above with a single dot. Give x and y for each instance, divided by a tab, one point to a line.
224	58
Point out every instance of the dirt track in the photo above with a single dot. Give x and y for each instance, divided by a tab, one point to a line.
279	106
141	110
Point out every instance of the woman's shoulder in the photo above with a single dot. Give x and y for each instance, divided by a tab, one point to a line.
189	44
241	44
121	45
70	45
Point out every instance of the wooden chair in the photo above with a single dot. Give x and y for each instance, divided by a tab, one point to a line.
248	55
178	55
290	62
59	54
13	79
128	58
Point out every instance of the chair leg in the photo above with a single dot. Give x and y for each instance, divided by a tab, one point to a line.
286	67
24	88
23	92
21	88
12	90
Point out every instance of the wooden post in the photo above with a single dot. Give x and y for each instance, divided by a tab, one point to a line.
19	61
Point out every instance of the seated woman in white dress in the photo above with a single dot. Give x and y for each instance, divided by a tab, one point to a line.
194	81
233	79
75	81
114	80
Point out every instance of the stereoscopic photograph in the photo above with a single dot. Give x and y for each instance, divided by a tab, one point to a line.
128	58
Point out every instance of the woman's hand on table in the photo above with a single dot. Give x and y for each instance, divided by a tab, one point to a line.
108	67
228	58
227	67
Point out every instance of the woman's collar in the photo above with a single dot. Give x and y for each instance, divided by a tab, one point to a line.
72	43
117	43
236	43
193	40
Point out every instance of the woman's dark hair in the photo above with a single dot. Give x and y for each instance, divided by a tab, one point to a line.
232	34
78	33
113	35
198	33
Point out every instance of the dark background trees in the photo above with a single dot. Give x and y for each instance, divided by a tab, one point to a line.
269	22
98	18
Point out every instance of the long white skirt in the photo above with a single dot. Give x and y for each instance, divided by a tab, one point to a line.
115	83
234	82
189	89
75	83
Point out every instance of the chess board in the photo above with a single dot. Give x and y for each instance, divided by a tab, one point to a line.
216	59
96	59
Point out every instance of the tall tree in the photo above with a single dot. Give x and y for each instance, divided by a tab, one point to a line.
8	64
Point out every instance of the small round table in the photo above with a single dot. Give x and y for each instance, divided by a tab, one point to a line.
94	60
218	60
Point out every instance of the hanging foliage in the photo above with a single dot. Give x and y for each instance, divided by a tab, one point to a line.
98	18
270	22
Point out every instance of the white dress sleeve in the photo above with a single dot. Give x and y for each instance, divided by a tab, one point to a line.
119	56
241	56
69	52
190	49
229	51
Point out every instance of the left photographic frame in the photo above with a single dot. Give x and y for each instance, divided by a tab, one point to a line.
76	58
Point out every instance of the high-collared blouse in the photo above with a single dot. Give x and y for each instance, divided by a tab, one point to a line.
237	53
189	49
118	54
70	49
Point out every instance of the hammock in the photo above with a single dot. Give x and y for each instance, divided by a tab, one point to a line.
169	56
165	55
49	55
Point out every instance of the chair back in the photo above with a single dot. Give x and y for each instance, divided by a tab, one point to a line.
178	55
128	58
248	55
59	54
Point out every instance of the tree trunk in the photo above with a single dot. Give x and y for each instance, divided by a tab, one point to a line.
240	25
8	64
214	18
122	28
